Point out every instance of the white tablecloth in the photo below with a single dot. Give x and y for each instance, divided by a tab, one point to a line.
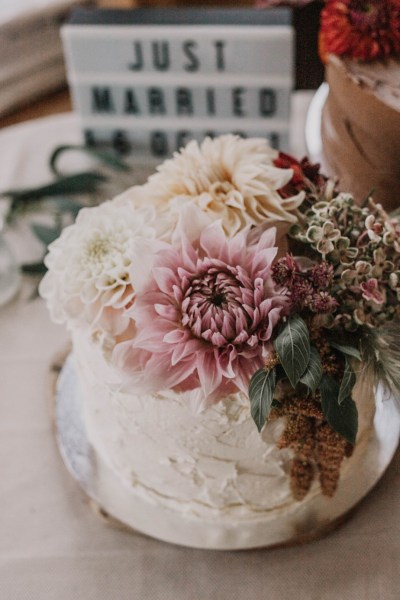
53	547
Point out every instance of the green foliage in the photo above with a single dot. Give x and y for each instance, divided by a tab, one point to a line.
65	204
107	157
261	392
37	268
348	382
45	234
60	195
347	350
343	417
293	348
312	376
78	183
301	362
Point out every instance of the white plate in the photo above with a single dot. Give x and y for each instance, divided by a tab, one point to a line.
313	123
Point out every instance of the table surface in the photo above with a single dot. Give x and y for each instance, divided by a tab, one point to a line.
52	545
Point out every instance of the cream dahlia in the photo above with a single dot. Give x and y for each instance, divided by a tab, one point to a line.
229	178
205	314
90	264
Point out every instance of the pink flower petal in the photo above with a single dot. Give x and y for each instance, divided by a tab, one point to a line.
217	339
209	372
142	257
184	350
191	222
267	239
262	261
213	241
167	311
158	370
237	247
165	278
177	336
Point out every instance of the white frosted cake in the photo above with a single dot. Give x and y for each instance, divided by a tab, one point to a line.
210	481
216	369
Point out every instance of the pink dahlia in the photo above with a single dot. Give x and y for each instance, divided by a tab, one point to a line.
205	315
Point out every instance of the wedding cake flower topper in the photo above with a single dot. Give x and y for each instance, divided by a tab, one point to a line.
239	270
206	311
360	29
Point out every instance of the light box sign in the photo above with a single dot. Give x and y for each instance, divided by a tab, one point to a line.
147	81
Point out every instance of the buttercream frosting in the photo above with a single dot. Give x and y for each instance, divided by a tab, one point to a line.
214	465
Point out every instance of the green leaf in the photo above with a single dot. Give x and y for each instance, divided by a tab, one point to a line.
313	374
348	382
45	234
343	418
347	350
34	268
293	348
79	183
68	205
261	392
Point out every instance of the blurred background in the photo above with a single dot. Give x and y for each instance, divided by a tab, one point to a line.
32	71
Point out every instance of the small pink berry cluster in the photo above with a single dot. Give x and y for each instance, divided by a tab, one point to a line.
307	289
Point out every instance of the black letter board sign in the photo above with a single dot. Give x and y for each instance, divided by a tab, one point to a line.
149	80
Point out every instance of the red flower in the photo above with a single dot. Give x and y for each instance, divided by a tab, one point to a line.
305	174
361	29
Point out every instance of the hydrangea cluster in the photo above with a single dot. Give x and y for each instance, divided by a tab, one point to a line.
362	244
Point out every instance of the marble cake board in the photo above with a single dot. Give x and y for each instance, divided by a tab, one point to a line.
121	507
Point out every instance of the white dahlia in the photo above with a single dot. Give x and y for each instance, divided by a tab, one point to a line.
89	265
230	178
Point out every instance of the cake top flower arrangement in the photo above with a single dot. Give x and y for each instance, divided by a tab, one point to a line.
238	269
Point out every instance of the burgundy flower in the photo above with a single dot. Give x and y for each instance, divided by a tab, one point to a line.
304	174
323	302
301	293
322	275
284	271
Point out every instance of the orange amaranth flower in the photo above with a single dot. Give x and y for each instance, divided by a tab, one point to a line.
361	29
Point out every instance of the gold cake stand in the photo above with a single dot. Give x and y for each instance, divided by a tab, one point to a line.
87	468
